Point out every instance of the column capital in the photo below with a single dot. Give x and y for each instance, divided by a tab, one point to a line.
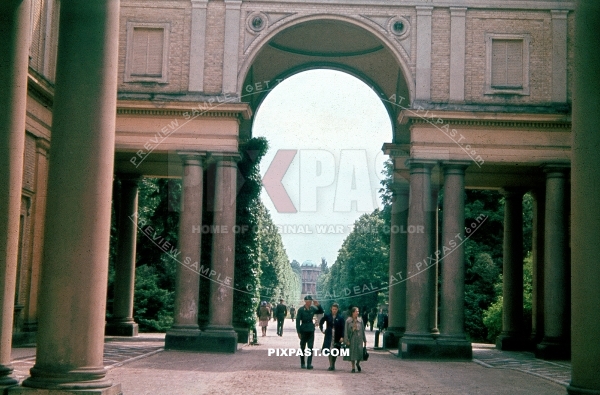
192	158
559	14
556	170
42	146
455	166
226	158
420	165
424	10
458	11
199	4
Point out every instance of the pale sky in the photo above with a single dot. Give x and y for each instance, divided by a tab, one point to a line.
338	125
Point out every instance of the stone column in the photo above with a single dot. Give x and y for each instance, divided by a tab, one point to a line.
122	323
398	255
556	269
219	334
417	341
14	47
511	337
72	298
452	340
433	271
537	257
585	216
185	331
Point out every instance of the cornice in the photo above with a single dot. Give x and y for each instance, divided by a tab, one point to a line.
490	119
40	88
184	109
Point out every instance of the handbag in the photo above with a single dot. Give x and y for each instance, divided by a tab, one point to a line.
365	354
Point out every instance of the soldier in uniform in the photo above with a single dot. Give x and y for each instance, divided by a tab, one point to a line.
305	326
280	313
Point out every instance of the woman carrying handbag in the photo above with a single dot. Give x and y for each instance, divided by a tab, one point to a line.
355	339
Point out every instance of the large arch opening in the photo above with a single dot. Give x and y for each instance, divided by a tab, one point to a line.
329	42
326	128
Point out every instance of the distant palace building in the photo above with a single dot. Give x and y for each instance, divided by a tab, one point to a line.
310	273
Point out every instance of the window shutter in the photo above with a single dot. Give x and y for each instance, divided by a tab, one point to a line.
148	47
155	52
37	35
514	63
498	62
507	63
53	40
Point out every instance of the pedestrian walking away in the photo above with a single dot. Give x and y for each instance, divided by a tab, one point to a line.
264	313
334	333
355	339
305	326
280	313
292	313
372	316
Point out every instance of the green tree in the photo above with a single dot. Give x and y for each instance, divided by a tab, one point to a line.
360	271
492	317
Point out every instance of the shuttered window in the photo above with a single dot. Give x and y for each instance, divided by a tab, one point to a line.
148	47
36	50
507	63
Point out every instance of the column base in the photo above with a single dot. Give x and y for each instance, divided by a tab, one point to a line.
508	342
6	380
243	334
219	339
417	346
116	328
572	390
449	347
213	339
426	347
553	349
18	390
182	339
391	337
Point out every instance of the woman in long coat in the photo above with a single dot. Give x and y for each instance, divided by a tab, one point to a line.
334	333
355	338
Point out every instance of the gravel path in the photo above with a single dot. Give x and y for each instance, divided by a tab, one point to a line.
252	371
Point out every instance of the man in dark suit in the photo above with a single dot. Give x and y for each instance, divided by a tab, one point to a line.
305	326
334	333
280	313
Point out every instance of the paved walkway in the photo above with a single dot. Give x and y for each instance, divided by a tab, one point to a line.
143	367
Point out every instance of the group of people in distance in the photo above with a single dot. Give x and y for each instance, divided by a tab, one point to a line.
339	332
265	311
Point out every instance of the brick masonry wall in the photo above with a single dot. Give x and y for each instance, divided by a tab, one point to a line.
440	55
29	163
535	23
178	15
479	22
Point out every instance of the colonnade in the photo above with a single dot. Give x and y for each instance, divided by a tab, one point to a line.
72	293
218	335
414	327
414	260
